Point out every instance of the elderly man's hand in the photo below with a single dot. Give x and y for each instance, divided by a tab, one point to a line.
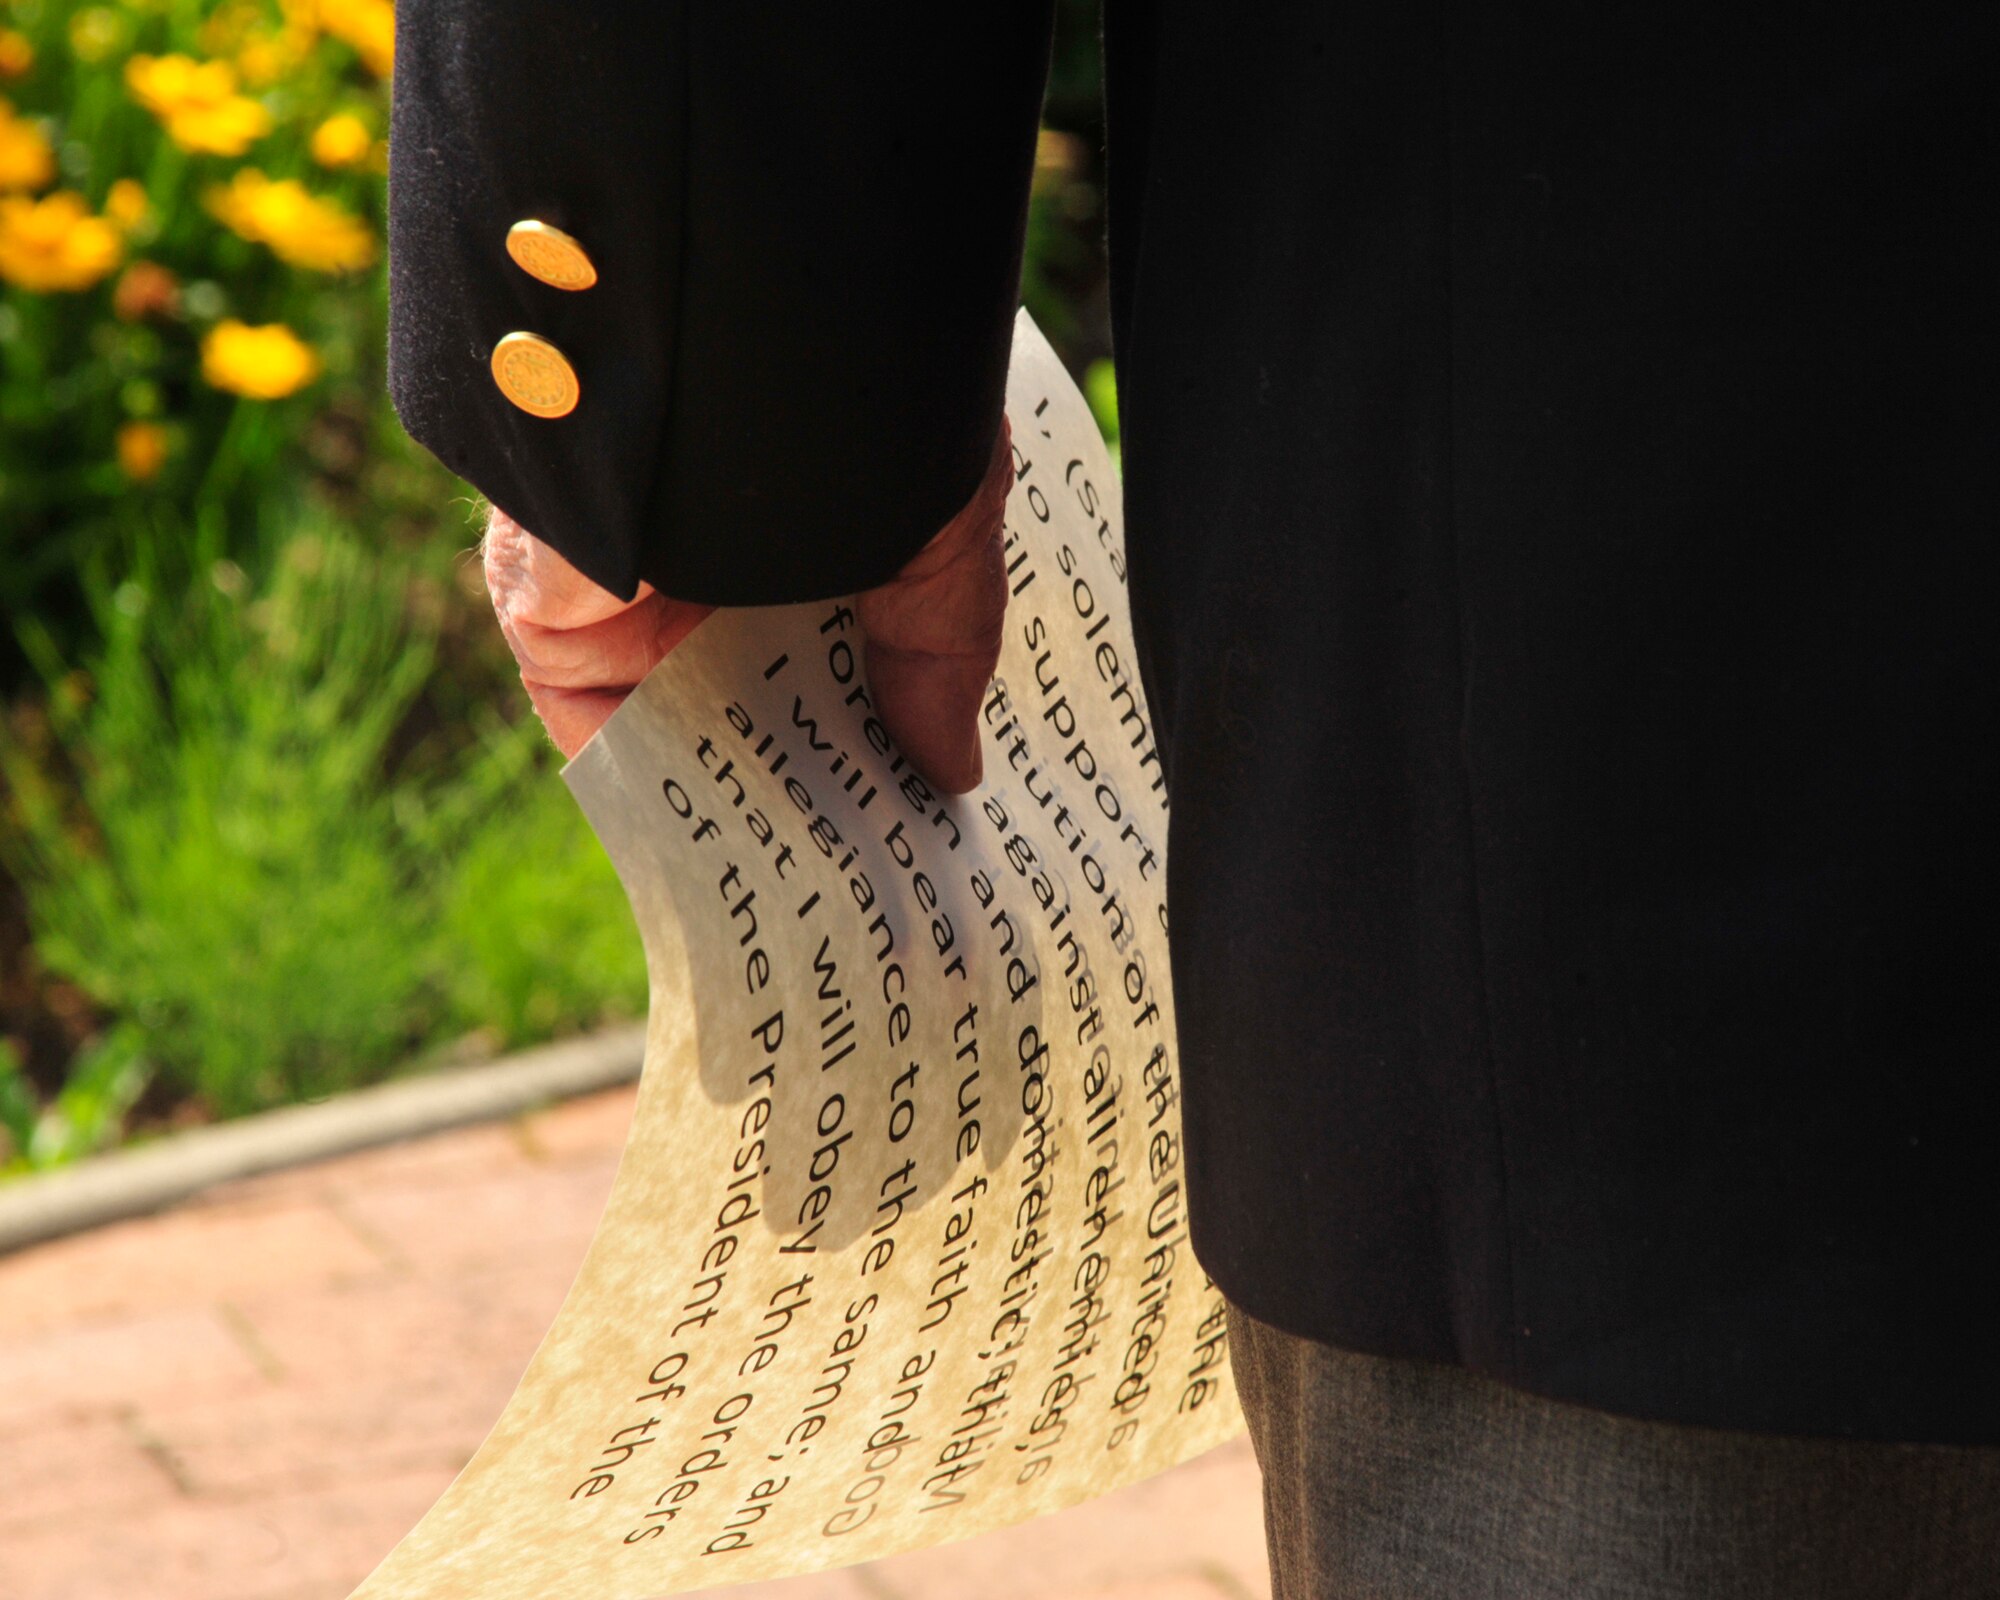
932	634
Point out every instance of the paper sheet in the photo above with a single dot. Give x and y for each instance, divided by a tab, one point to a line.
897	1251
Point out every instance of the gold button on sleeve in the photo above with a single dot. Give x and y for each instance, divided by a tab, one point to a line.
535	375
550	255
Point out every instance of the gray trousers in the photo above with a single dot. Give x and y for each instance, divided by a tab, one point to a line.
1403	1480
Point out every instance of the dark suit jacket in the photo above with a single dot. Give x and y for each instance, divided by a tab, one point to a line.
1558	448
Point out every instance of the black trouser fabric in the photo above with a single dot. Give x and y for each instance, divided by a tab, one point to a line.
1406	1480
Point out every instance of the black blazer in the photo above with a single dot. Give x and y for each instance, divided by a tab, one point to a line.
1558	452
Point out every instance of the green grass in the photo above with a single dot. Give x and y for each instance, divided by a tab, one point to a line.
223	847
534	935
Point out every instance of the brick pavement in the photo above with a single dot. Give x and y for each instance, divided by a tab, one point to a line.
253	1396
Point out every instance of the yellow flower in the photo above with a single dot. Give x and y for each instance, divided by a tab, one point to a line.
125	203
52	245
263	55
142	450
26	161
262	61
16	54
264	363
341	141
95	32
368	25
198	102
299	226
228	25
266	57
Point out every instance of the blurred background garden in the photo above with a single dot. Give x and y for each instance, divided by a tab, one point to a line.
274	820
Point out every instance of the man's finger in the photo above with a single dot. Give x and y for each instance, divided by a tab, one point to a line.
619	649
933	636
581	650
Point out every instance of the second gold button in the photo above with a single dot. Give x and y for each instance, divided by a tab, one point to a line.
535	375
551	255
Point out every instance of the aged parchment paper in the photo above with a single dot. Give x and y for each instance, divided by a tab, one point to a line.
898	1251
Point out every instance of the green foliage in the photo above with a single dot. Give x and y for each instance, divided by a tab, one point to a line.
1100	388
538	949
235	880
1063	269
86	1115
19	1109
238	868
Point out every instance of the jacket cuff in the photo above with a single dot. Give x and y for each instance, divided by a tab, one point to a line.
806	233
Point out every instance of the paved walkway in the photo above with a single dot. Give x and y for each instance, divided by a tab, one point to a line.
252	1397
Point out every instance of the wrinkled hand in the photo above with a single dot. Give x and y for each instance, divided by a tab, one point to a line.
932	634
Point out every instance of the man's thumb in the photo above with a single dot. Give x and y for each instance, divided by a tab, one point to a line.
933	636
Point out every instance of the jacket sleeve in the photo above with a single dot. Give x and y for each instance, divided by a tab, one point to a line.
806	223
